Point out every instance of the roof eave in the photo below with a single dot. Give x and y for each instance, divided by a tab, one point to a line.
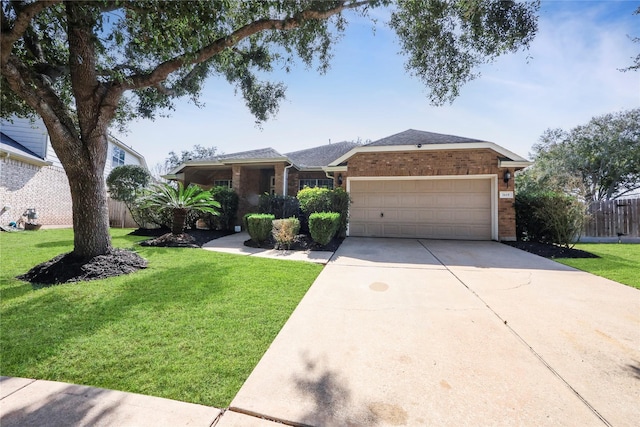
429	147
257	160
26	158
335	168
125	147
514	164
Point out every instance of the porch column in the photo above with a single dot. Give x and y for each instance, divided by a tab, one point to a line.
235	178
279	177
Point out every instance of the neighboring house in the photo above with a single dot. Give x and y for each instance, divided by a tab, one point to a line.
411	184
31	176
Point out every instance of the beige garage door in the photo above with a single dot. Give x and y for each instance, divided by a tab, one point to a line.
428	208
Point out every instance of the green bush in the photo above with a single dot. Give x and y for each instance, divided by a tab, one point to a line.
285	231
314	199
278	205
126	183
549	217
323	226
259	226
245	222
340	204
150	215
228	200
317	199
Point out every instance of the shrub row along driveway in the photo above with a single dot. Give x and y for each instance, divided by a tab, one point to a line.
408	332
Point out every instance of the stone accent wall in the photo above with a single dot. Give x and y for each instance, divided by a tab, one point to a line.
440	163
45	188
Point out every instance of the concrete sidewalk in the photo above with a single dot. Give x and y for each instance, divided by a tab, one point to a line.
408	332
26	402
234	244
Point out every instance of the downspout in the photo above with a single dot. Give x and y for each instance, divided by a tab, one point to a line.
285	180
333	178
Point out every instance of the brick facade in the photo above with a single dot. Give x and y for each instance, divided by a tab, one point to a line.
25	186
441	163
424	163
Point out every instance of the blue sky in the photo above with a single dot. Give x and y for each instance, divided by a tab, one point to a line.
569	75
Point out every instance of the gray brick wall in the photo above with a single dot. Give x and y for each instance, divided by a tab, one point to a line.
25	186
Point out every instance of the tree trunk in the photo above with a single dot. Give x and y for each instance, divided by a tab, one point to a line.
179	221
90	214
84	162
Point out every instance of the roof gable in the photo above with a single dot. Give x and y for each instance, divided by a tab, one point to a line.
412	139
415	137
262	153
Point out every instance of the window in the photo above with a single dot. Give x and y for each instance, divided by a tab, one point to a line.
324	183
118	157
222	183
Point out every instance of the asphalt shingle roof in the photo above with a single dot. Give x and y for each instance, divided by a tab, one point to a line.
415	137
262	153
320	156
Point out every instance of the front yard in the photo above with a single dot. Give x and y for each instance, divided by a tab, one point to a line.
191	327
618	261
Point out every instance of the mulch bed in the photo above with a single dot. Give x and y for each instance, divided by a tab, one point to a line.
548	250
68	268
189	239
302	242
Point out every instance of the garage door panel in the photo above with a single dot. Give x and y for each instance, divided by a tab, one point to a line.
409	200
390	200
437	208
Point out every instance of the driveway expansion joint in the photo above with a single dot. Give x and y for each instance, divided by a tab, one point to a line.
20	388
522	340
266	418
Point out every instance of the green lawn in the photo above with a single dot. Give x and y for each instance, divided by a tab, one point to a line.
190	327
618	261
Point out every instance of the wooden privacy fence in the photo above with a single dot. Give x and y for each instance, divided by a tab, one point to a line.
609	217
119	215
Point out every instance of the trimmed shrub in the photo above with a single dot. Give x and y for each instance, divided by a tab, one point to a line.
245	222
259	226
284	232
549	217
323	226
314	199
340	204
228	211
279	206
324	200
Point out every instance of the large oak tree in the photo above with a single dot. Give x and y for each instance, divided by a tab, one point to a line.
597	161
83	66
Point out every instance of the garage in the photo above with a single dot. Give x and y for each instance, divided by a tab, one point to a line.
427	207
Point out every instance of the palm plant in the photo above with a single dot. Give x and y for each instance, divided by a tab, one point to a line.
180	200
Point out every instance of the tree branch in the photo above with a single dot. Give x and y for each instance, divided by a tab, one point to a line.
39	96
162	71
23	19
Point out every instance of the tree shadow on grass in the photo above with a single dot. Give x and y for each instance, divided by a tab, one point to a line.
41	326
55	244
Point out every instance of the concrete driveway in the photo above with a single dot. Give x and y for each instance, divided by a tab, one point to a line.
420	332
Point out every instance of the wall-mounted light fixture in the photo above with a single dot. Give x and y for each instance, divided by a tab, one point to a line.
506	177
340	180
